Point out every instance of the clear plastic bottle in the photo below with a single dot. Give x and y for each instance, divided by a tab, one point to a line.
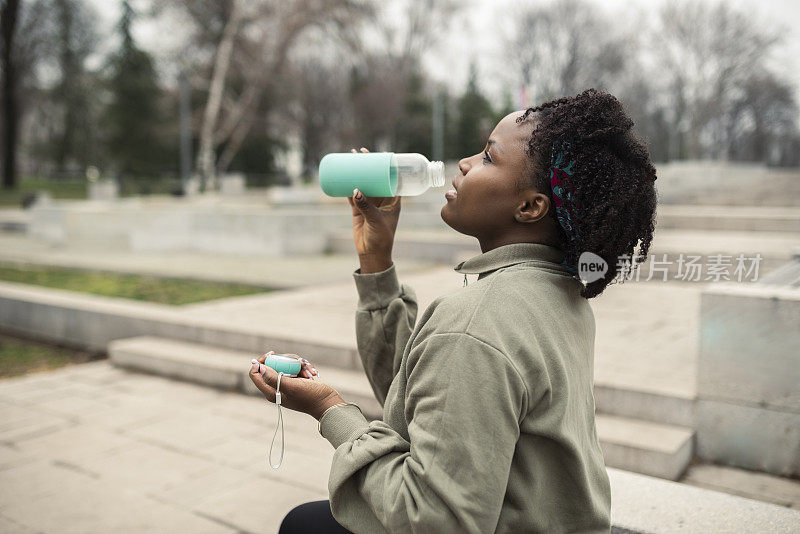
415	174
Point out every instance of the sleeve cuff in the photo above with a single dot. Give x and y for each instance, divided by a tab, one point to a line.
343	424
377	290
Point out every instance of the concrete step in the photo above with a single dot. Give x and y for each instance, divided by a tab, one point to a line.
653	449
729	218
644	447
675	408
782	491
224	368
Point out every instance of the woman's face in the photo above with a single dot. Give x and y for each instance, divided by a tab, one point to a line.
486	202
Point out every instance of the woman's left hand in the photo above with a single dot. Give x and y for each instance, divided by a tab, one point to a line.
300	394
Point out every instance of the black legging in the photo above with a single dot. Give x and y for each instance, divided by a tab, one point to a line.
314	517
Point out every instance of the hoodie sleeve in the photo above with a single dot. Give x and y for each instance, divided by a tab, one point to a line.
465	401
385	318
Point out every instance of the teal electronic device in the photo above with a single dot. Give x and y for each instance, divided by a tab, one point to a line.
288	365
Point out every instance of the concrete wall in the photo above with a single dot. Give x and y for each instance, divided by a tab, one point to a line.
748	411
180	225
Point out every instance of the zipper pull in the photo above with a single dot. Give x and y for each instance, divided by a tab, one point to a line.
465	280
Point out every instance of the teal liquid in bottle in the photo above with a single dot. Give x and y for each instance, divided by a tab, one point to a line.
379	174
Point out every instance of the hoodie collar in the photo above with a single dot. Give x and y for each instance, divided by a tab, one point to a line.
512	254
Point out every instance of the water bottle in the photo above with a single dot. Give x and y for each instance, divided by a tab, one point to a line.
379	174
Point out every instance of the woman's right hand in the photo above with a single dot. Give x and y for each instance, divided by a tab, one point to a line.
374	225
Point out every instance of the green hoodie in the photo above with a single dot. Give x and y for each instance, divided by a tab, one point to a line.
488	411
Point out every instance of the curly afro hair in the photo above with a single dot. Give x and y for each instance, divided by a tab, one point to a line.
613	181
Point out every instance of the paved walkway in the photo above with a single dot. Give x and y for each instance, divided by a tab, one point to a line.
91	448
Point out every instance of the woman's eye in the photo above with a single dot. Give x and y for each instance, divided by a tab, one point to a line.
486	157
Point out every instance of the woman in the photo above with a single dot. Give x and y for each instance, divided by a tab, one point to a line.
488	411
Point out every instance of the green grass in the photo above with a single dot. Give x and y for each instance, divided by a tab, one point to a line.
19	357
77	188
64	189
174	291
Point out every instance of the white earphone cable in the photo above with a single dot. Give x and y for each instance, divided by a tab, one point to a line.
280	422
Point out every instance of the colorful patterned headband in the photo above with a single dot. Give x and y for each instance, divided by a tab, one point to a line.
562	166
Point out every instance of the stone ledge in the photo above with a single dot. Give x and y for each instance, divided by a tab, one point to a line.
642	504
90	322
768	291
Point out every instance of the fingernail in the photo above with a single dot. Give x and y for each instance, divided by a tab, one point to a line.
357	193
314	369
255	366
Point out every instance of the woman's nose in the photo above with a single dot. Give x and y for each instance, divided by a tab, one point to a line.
463	166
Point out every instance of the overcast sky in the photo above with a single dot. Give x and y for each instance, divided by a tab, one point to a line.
476	33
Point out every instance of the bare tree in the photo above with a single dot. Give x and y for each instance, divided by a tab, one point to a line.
222	60
763	116
707	52
250	49
402	32
563	48
319	109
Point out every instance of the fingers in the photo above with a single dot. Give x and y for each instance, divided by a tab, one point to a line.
363	150
309	371
258	380
258	366
366	208
269	377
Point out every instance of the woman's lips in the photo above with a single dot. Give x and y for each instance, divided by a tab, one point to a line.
450	195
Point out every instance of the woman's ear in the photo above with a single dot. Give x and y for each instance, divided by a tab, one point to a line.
533	207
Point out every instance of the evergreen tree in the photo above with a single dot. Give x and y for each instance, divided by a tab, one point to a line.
475	118
132	116
414	126
74	40
450	107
